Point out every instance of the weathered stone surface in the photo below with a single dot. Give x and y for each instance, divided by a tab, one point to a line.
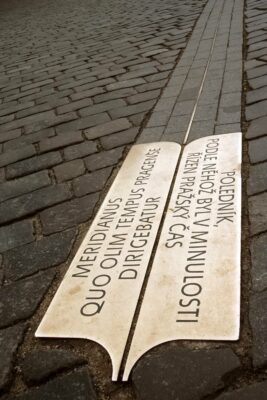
256	110
91	183
77	385
107	128
60	141
31	202
15	155
257	95
69	170
80	150
258	321
10	339
24	185
68	214
182	374
257	391
119	139
19	300
257	127
33	164
258	149
45	253
40	364
258	213
257	181
16	235
103	159
258	250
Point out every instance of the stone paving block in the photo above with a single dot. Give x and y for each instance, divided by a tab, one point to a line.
46	253
132	109
103	159
255	72
10	339
76	385
257	128
60	141
256	391
119	139
17	234
87	93
258	321
258	250
256	110
200	129
258	213
115	94
149	135
229	109
32	202
28	139
80	150
68	214
33	164
259	82
69	170
24	185
178	124
227	128
159	118
257	181
140	97
206	112
183	107
257	150
98	108
183	373
75	105
118	125
83	123
19	300
165	104
10	135
91	183
151	86
256	95
38	365
125	84
13	156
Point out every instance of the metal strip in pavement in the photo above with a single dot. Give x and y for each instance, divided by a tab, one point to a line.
193	291
99	293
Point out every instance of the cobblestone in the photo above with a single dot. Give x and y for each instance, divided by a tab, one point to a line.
10	339
38	365
19	300
15	235
68	214
46	253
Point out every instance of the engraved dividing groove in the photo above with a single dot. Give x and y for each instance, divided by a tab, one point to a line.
193	290
102	286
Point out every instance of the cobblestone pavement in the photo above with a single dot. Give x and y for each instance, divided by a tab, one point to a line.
79	83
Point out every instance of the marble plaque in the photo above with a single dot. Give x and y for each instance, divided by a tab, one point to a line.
193	290
99	293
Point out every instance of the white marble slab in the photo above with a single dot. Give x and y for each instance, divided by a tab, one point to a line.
99	293
193	290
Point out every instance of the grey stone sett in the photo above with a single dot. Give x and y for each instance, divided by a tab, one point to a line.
258	321
255	391
92	182
13	156
257	181
256	95
69	170
257	128
68	214
258	213
119	139
23	185
28	139
32	202
31	258
33	164
132	109
98	108
83	123
60	141
17	234
103	159
20	299
80	150
38	365
107	128
257	149
256	110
